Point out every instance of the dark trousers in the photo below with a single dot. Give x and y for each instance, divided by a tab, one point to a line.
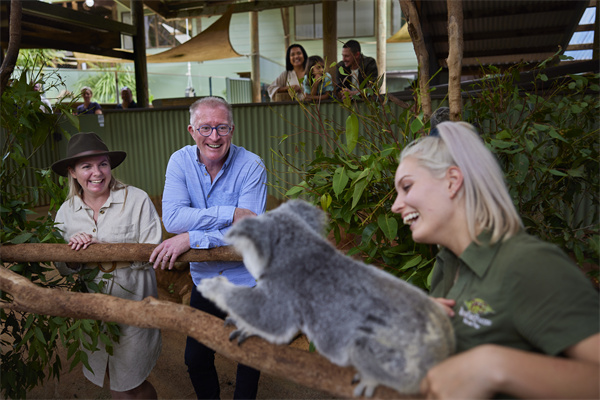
200	361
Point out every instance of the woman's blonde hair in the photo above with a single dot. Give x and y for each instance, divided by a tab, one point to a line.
487	201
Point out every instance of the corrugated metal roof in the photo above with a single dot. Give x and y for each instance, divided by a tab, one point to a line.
502	31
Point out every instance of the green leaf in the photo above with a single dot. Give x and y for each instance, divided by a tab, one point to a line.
22	238
389	226
557	173
501	144
325	201
411	263
351	132
340	180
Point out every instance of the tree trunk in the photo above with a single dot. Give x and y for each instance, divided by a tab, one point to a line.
416	34
14	42
455	55
308	369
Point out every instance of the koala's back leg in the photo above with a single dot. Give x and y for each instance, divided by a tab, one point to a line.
380	364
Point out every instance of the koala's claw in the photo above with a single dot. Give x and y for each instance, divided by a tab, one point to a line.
242	337
234	334
229	321
356	378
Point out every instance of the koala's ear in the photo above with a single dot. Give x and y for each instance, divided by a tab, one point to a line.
313	216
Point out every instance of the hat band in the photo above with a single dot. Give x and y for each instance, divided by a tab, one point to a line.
89	153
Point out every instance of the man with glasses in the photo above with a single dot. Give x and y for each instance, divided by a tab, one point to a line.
209	187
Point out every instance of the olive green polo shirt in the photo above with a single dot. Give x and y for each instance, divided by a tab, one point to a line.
522	293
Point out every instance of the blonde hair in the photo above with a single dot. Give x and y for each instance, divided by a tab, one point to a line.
87	88
213	102
487	201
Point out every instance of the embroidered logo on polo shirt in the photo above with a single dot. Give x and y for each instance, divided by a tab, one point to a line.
472	312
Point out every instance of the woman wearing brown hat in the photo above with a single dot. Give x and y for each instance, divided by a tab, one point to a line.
99	208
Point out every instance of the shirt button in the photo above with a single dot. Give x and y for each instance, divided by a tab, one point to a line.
197	245
208	197
94	230
101	211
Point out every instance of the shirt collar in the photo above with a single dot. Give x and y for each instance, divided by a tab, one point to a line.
115	196
230	155
477	257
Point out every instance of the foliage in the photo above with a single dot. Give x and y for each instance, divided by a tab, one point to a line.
352	178
546	142
40	58
29	342
104	84
546	139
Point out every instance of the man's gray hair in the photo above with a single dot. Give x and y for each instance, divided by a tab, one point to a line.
210	101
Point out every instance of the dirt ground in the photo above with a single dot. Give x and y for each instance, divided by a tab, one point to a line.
170	377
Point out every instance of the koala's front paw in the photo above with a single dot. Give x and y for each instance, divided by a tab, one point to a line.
240	334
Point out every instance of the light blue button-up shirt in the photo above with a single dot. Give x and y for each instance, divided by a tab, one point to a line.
192	203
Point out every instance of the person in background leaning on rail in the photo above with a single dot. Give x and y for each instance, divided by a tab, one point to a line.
209	187
127	97
100	209
356	67
526	318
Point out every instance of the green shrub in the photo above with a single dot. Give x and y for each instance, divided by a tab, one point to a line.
546	143
29	342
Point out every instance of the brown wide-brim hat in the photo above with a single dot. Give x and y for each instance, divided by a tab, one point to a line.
86	144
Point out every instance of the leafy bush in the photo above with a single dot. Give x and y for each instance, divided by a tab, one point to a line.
546	143
352	178
546	139
29	342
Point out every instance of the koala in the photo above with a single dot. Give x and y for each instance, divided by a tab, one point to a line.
356	315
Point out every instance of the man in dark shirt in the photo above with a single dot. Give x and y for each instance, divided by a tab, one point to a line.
127	98
356	68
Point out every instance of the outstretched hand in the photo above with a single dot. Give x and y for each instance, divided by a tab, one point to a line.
169	250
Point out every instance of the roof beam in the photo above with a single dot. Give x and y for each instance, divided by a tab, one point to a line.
198	9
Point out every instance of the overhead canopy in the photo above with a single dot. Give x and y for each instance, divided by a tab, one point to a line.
402	36
211	44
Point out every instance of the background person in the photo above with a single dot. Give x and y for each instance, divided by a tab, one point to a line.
526	318
295	64
98	209
357	68
317	83
47	106
127	99
88	106
209	187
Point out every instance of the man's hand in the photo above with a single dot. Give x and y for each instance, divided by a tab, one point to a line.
241	213
169	250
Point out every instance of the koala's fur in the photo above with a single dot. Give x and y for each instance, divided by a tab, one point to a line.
355	314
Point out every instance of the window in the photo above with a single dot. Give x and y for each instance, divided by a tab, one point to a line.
355	18
163	33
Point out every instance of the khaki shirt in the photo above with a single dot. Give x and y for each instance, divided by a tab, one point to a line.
523	293
128	216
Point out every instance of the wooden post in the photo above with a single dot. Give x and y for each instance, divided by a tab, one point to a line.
139	51
285	19
330	36
255	57
416	34
381	41
455	55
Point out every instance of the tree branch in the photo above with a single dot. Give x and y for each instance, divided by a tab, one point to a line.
416	34
455	56
302	367
14	42
105	252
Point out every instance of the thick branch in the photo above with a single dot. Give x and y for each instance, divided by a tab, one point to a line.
416	34
308	369
14	42
455	55
105	252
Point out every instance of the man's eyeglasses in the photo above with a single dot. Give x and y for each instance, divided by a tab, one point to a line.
206	130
